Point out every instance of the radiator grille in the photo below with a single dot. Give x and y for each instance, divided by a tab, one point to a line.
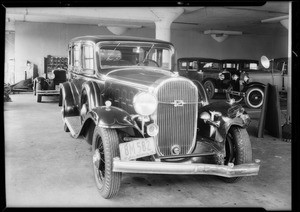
177	125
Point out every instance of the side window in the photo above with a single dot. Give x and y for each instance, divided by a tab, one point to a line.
70	62
88	56
76	55
182	65
193	66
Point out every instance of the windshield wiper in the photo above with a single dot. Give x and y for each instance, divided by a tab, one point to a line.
112	52
146	55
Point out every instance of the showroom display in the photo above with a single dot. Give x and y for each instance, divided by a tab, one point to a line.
55	73
140	117
208	71
252	79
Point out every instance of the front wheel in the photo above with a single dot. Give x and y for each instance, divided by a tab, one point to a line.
105	148
229	96
238	149
254	97
210	89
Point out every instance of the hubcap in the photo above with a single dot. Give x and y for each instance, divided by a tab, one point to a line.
96	158
255	98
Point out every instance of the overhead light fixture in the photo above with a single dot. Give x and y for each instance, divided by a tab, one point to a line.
119	25
118	29
209	32
221	35
284	20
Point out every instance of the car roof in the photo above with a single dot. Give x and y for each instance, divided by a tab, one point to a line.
199	58
239	60
98	38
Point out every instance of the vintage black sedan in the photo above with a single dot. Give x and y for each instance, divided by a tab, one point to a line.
49	85
140	117
247	85
251	80
208	71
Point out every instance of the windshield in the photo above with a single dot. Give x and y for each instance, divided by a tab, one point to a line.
117	54
242	66
210	65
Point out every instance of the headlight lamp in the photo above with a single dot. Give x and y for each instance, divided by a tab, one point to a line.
246	78
235	77
221	76
50	75
145	104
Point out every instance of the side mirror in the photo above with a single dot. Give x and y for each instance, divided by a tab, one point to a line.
265	61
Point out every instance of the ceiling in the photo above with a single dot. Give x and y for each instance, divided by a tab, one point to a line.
246	19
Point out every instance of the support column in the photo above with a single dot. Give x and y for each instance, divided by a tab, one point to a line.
165	18
289	75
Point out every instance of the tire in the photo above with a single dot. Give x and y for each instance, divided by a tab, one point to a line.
238	149
66	129
38	97
105	146
254	97
237	99
38	87
209	88
34	87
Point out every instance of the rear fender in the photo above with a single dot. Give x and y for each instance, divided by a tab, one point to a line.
68	95
92	93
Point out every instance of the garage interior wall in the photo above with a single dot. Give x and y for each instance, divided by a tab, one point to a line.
34	41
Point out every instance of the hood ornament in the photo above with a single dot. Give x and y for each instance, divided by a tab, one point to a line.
178	103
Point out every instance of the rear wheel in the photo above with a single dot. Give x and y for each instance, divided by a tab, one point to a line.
210	89
105	148
254	97
63	109
38	97
38	87
238	149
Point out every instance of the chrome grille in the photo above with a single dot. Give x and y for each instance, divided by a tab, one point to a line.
177	124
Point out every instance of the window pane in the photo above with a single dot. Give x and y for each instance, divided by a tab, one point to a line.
88	57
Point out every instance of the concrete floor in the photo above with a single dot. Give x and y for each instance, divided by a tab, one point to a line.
45	167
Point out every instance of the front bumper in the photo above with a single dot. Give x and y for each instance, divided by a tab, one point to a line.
154	167
47	92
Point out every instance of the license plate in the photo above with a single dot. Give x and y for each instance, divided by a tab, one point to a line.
137	148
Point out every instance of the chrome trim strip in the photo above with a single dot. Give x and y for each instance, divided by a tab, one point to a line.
155	167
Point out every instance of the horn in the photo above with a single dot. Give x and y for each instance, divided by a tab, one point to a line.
265	61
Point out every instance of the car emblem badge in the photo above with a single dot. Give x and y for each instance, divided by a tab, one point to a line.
178	103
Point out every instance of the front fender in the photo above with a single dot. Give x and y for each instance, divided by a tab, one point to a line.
229	115
253	84
112	117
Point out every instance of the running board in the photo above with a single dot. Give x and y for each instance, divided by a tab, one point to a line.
74	125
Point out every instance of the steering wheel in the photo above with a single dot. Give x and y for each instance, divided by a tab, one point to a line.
149	62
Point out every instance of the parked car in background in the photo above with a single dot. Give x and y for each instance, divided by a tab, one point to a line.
140	117
49	85
208	71
252	81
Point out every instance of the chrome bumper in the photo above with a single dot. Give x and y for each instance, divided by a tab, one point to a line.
155	167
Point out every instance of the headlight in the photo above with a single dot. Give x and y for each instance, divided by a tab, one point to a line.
246	78
50	75
145	103
221	76
235	77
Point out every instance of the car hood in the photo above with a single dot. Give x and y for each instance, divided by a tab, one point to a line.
140	75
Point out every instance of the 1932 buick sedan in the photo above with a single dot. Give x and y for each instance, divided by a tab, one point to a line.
140	117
